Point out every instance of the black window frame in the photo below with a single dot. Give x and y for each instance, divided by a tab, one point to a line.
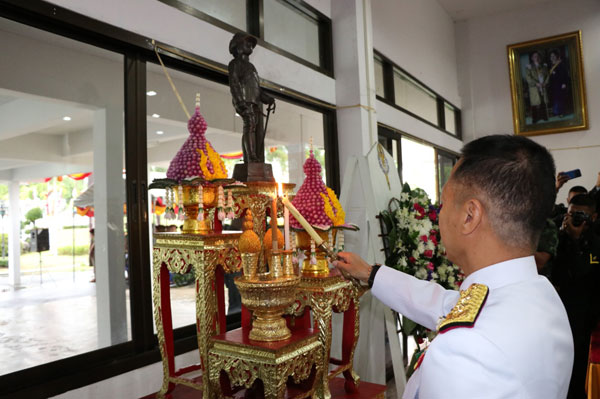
74	372
390	134
389	97
255	26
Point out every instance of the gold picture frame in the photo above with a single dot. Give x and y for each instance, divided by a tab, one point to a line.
547	85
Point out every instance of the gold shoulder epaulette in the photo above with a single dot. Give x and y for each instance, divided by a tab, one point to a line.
466	310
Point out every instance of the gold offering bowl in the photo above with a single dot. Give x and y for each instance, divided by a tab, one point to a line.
191	206
321	268
268	299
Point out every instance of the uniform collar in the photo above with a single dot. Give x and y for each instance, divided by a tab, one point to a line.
504	273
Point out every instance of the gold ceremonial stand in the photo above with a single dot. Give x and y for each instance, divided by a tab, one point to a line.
178	253
258	196
325	295
235	361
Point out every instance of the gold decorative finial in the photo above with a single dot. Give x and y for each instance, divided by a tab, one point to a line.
197	100
248	221
310	140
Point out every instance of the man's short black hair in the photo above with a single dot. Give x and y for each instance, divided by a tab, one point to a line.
584	200
514	179
578	189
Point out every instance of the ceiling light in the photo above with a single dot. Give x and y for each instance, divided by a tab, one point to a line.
66	118
236	114
155	115
159	132
151	93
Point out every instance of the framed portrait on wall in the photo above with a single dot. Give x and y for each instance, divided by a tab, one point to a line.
547	85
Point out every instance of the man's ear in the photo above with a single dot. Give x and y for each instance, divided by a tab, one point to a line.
472	211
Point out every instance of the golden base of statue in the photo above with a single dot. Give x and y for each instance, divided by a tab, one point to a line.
253	171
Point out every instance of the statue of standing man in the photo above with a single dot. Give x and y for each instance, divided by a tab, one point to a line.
248	99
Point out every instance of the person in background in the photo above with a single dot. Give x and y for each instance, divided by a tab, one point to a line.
576	276
559	210
546	249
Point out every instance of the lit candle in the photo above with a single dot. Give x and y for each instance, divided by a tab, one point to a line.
274	223
286	220
315	236
309	229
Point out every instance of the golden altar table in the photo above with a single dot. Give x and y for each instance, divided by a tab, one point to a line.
209	256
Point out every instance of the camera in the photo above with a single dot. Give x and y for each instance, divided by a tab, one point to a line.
579	217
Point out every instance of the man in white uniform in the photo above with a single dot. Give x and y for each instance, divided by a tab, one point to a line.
507	335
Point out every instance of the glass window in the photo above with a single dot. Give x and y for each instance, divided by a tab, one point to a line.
379	82
414	97
232	12
449	112
445	164
391	145
62	160
418	166
292	30
289	132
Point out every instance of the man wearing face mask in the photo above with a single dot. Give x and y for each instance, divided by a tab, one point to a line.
576	275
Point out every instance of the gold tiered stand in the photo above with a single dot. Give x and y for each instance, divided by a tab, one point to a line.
325	295
180	253
258	197
202	250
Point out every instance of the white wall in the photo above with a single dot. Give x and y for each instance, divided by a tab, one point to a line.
419	37
484	80
167	24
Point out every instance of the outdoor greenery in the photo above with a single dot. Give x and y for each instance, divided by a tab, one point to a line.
34	214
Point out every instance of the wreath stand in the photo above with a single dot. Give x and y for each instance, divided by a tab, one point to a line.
370	182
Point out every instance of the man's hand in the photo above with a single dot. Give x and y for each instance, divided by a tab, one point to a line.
598	180
354	265
561	179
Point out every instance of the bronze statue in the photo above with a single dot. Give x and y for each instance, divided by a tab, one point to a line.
248	98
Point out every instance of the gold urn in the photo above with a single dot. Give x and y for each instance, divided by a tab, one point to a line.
268	299
191	206
321	268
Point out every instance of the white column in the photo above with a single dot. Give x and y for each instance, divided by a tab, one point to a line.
109	197
14	234
357	132
354	77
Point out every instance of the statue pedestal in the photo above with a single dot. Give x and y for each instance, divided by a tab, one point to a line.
253	171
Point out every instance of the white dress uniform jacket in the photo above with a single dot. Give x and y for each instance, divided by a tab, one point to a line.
519	347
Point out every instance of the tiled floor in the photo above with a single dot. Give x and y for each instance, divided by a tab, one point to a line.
40	323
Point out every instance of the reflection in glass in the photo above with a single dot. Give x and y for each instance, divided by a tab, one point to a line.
62	156
445	165
292	30
286	147
449	113
418	166
232	12
414	97
379	83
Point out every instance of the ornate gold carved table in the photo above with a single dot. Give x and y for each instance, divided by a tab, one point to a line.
325	295
236	361
209	256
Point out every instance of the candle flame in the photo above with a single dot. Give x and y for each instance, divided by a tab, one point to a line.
280	189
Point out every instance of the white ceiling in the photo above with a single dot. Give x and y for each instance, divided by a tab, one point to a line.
460	10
